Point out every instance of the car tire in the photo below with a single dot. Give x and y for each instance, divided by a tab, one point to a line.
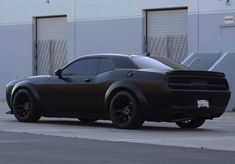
24	107
124	111
191	124
87	120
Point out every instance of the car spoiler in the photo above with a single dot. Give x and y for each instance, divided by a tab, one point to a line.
197	73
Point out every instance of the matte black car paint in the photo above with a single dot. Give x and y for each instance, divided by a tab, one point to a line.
89	95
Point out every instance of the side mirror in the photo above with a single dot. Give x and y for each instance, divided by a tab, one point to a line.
58	73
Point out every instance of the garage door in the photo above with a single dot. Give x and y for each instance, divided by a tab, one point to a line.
51	44
166	33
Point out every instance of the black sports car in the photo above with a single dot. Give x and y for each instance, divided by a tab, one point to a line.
128	89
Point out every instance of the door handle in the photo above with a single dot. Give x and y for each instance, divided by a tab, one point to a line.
87	80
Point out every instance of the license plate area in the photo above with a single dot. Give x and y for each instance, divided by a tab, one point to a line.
202	103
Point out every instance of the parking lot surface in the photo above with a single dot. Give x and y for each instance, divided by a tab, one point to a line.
22	148
218	134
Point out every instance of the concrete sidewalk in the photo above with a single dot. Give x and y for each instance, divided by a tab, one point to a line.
214	134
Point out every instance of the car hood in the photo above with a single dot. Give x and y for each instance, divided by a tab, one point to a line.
34	79
39	79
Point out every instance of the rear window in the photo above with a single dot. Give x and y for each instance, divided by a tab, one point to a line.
171	63
145	62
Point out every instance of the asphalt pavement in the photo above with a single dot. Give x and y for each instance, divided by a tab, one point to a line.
70	141
23	148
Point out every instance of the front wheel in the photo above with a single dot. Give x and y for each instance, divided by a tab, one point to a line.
191	124
124	111
24	107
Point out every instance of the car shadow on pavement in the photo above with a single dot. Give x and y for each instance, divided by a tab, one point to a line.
174	129
76	123
111	126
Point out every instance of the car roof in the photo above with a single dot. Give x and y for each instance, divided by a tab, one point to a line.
118	59
104	55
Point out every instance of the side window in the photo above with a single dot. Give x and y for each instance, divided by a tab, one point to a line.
123	63
105	65
82	67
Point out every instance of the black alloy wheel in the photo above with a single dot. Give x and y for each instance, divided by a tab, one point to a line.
124	111
191	123
24	107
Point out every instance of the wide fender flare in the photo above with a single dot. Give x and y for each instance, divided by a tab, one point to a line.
128	86
26	85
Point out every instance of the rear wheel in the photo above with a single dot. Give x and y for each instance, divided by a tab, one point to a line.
191	124
124	111
24	107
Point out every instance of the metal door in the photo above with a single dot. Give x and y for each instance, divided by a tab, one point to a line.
227	38
51	44
166	33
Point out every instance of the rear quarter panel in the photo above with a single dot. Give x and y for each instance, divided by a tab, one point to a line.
149	88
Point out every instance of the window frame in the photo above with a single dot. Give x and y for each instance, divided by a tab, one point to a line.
107	58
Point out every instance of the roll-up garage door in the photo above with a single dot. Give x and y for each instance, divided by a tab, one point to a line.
166	32
51	44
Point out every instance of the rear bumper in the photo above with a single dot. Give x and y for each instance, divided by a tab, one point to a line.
182	104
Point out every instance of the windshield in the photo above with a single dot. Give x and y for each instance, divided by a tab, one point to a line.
144	62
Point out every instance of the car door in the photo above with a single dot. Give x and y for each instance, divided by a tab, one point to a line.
102	82
71	94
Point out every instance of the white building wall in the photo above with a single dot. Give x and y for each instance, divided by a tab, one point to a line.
21	12
120	20
108	9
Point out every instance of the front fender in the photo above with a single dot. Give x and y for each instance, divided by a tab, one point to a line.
26	85
129	86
